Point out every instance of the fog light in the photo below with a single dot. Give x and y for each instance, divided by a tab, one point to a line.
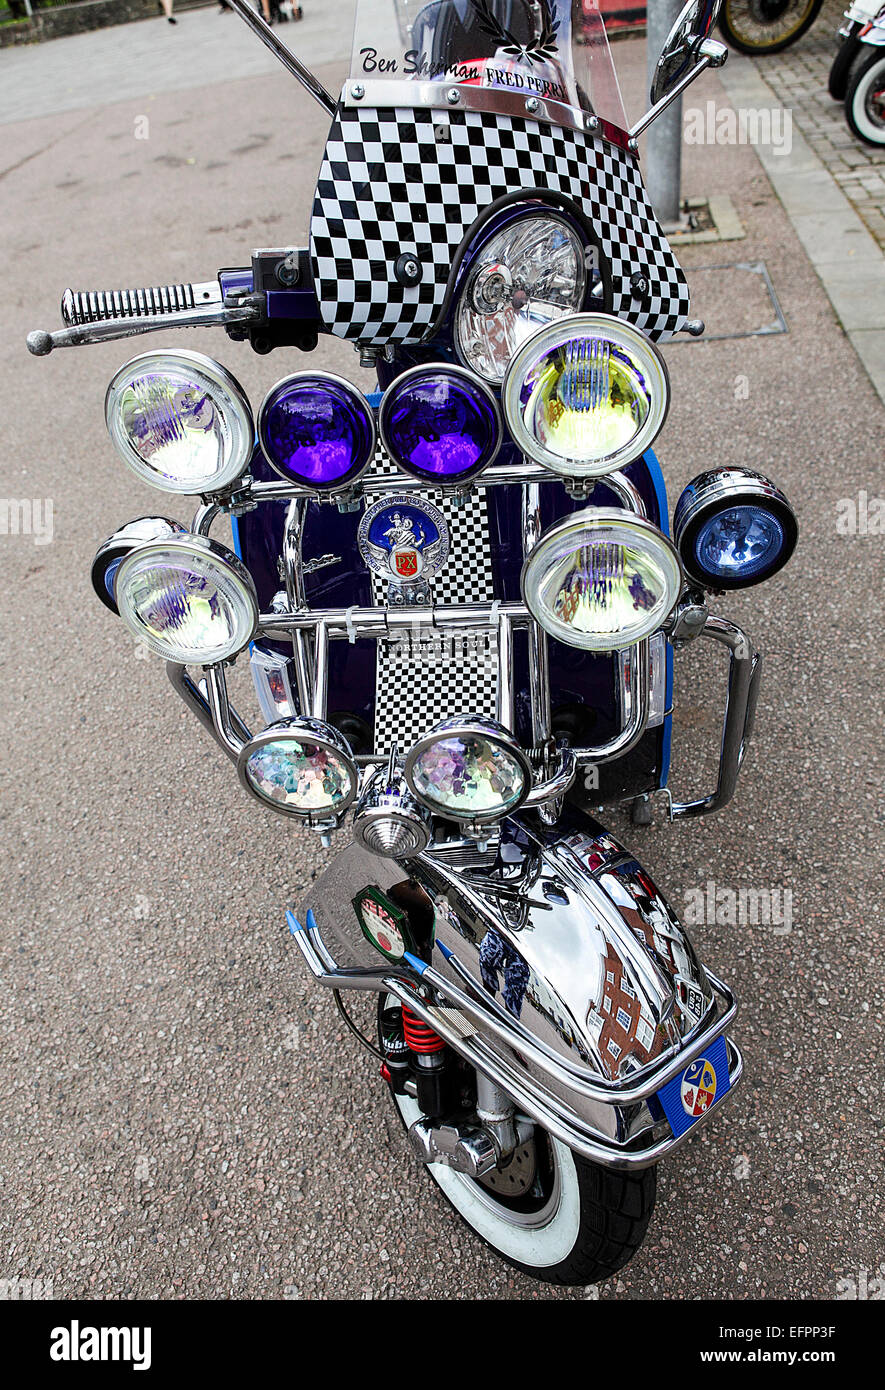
602	579
112	552
440	424
586	395
301	767
733	528
317	430
469	769
188	599
180	421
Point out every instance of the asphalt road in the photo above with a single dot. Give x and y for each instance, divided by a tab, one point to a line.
182	1116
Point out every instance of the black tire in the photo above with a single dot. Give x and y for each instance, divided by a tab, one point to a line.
766	26
867	126
840	72
593	1220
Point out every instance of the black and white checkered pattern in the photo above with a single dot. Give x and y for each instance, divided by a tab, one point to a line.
387	186
421	679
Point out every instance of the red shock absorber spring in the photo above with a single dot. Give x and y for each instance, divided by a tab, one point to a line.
419	1036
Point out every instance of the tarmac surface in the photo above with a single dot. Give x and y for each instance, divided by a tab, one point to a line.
181	1112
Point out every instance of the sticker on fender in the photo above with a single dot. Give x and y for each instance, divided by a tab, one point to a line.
694	1091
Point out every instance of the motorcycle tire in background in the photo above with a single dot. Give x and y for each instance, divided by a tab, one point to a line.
766	26
547	1211
865	99
840	72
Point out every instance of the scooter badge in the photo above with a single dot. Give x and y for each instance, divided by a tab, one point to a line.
698	1087
402	540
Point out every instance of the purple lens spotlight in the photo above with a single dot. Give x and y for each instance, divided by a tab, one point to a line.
440	423
317	429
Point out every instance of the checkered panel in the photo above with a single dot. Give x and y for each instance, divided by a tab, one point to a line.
423	678
388	185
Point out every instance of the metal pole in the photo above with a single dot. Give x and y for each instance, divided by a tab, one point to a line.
662	166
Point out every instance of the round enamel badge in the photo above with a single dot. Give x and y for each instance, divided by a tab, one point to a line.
403	540
698	1087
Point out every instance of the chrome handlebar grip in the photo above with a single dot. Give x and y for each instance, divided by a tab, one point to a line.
102	330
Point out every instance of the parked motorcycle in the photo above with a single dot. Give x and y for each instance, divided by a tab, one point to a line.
460	600
766	26
861	61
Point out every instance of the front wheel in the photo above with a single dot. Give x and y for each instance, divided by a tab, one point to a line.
840	72
547	1211
865	102
766	26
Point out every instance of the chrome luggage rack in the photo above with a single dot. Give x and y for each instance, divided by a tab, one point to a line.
310	631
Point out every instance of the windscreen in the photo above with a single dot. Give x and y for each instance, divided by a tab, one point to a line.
555	50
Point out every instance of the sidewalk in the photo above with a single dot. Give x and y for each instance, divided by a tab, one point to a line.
798	78
831	186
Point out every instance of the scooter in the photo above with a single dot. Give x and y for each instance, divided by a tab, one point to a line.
858	73
460	598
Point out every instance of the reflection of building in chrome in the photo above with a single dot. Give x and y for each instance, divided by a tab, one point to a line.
550	1007
646	913
619	1023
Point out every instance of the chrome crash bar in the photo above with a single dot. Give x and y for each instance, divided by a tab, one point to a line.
311	630
744	673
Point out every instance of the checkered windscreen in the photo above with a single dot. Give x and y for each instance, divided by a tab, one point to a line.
395	181
424	677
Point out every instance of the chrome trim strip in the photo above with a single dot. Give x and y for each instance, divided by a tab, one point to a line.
390	94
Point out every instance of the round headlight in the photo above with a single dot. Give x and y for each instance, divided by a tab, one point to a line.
440	424
302	767
526	275
187	599
112	552
586	396
733	528
469	769
317	429
180	421
602	579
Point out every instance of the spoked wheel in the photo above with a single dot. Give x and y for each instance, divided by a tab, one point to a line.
547	1211
766	26
865	102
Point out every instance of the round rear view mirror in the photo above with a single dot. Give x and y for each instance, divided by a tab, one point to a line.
681	53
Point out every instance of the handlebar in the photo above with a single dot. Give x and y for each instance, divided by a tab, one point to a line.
271	303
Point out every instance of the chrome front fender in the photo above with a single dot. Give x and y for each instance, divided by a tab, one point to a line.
558	970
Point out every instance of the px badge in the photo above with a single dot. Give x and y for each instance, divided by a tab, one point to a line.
403	540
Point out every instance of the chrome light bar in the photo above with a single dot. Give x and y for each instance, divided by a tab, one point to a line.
311	630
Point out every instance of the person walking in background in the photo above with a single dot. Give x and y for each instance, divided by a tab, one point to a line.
165	7
272	11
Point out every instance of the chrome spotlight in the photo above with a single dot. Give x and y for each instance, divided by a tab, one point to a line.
733	528
112	552
300	767
469	769
389	821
